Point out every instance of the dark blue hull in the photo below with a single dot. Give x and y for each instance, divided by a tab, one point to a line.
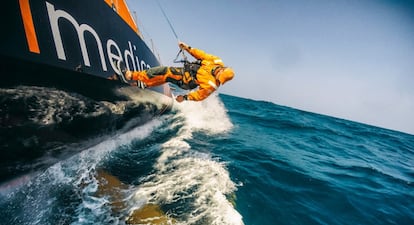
58	51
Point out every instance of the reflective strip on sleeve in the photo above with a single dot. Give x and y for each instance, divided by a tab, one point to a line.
212	84
216	61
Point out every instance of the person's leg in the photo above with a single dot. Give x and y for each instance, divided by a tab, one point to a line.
158	75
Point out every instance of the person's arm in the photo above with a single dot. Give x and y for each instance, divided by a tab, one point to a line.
198	95
199	54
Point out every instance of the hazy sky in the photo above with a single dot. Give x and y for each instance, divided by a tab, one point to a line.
350	59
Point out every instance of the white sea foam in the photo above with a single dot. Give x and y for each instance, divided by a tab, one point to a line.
182	175
80	171
186	175
209	115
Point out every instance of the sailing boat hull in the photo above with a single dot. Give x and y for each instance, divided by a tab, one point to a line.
55	51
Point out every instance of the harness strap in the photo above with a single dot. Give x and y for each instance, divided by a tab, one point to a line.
213	71
192	68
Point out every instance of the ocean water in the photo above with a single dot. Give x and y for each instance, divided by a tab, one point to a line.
227	160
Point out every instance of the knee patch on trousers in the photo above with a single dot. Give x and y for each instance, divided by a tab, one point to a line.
157	71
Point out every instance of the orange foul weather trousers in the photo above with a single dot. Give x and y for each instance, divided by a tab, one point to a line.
162	74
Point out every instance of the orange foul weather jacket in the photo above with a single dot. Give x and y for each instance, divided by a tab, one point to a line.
205	78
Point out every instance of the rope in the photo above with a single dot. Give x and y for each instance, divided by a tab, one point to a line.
175	34
169	22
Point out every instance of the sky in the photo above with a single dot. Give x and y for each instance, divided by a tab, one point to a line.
349	59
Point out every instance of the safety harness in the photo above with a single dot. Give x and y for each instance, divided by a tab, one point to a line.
192	68
190	71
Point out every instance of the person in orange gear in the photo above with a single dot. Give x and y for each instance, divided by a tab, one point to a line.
207	73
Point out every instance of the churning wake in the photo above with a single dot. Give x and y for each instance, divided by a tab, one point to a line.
162	172
192	177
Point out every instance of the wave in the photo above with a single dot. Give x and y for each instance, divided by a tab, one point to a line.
157	168
40	126
195	187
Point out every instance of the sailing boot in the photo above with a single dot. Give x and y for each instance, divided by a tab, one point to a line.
126	75
138	83
120	65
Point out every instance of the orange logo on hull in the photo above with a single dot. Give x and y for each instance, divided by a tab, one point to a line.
29	26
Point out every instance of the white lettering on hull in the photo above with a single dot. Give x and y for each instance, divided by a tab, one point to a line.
112	49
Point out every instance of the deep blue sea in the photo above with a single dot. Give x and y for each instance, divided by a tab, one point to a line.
228	160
